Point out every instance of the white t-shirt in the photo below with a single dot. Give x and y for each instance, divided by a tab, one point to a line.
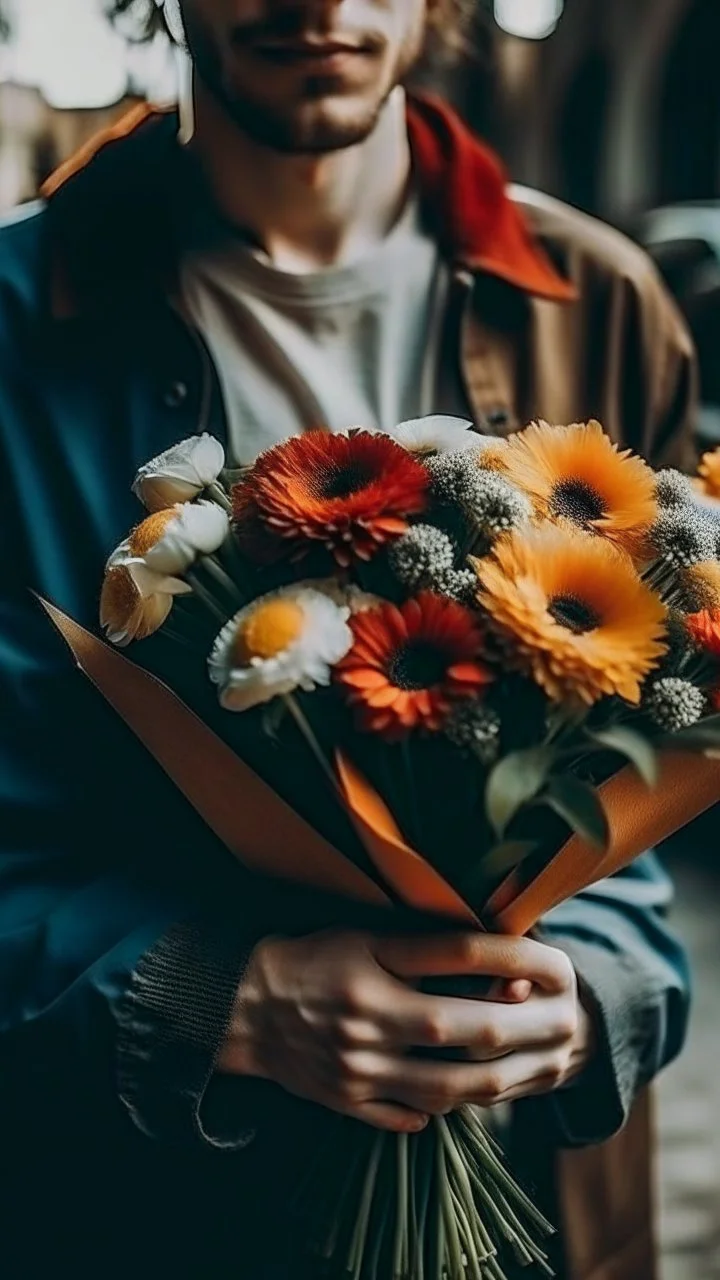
354	345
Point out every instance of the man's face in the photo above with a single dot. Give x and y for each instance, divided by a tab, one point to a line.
304	75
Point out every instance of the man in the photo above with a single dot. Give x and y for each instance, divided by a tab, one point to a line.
316	251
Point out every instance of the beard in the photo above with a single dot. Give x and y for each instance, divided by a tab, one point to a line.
321	116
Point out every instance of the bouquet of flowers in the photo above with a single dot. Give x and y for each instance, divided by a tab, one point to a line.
493	651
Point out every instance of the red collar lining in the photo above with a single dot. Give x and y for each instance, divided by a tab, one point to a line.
465	185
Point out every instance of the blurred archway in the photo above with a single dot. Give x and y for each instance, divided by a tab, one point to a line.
582	131
689	117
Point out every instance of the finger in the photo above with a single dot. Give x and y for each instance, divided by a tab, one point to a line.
479	953
540	1022
513	992
483	1029
383	1115
438	1088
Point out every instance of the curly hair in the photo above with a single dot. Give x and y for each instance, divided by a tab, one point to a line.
448	23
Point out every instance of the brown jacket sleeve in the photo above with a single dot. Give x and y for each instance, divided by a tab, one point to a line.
630	360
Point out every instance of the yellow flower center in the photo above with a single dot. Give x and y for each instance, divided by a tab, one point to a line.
144	537
268	631
119	596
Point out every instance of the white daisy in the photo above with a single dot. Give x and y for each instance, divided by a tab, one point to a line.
170	541
287	640
181	473
198	529
438	433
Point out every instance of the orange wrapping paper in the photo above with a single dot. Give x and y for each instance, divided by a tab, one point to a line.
251	820
267	836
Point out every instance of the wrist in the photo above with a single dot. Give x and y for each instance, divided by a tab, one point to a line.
583	1046
241	1054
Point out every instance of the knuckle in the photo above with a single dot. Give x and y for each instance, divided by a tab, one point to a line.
353	1000
563	971
435	1030
567	1024
347	1068
469	949
558	1067
493	1087
491	1038
346	1032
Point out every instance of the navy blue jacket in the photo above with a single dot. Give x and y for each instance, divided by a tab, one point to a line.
123	925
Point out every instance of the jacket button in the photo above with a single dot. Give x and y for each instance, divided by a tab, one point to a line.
176	395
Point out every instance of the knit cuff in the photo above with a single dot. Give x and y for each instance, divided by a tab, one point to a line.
171	1025
628	1013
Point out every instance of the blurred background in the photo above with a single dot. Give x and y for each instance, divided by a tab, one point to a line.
614	106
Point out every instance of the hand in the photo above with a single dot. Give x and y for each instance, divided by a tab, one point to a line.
334	1018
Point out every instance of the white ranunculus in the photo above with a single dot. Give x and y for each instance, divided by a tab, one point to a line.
435	434
135	602
181	473
148	582
287	640
198	529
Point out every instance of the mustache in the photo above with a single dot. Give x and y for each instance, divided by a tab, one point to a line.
294	25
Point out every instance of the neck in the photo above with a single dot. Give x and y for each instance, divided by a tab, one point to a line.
306	211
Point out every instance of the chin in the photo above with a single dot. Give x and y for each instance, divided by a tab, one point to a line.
322	122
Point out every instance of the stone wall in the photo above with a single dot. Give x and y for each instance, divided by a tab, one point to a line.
34	139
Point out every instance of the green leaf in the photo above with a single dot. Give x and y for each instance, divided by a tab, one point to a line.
578	804
506	856
634	747
478	881
514	781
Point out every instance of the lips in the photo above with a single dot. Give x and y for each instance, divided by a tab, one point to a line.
301	48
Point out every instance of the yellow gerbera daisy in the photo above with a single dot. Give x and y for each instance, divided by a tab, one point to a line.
576	473
709	473
573	613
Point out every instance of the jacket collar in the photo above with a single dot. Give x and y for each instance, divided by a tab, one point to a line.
110	211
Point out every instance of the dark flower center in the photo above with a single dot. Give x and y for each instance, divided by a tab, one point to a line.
342	481
577	501
417	665
573	614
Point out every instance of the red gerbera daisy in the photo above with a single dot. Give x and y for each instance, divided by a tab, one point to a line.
410	663
351	493
704	630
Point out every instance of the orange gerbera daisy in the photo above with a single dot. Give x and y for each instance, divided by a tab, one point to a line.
572	612
409	664
709	473
351	493
704	630
576	473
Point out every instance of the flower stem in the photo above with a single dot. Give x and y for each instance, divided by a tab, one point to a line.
206	597
310	737
400	1252
357	1247
223	579
217	494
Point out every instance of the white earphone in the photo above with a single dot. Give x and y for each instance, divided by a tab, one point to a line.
184	72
